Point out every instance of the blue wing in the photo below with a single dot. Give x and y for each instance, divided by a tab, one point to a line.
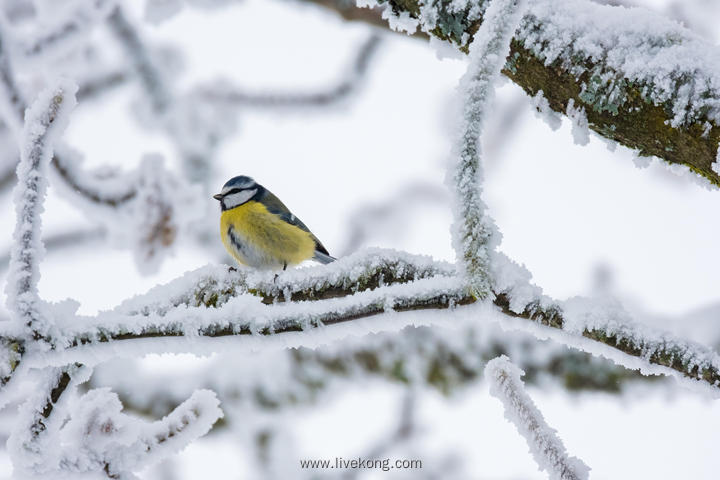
274	205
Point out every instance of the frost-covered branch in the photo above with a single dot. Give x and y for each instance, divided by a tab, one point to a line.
44	122
53	435
32	438
235	96
213	302
643	81
474	233
546	447
56	435
100	438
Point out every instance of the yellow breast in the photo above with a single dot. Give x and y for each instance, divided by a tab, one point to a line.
260	239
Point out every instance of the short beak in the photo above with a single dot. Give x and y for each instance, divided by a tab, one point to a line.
218	196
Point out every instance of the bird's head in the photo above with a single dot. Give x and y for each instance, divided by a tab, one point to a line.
236	191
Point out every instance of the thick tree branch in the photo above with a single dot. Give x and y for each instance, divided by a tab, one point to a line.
669	109
213	302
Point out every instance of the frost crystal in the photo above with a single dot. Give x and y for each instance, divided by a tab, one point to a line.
474	233
366	3
641	161
544	112
580	132
546	447
716	164
401	22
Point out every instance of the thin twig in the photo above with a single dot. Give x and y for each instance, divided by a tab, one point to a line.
323	98
546	447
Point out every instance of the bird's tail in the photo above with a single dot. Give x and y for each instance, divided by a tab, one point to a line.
323	258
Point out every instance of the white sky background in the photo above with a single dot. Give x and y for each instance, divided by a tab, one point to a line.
563	211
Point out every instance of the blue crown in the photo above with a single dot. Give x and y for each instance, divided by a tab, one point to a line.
241	181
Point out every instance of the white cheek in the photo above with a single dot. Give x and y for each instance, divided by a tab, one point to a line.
235	199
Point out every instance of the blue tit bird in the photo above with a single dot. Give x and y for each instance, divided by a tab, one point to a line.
258	230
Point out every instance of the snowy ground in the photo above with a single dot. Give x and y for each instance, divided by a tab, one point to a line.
573	215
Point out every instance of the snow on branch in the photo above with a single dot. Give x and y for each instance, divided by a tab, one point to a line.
474	233
44	122
545	446
93	436
644	81
38	422
214	286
